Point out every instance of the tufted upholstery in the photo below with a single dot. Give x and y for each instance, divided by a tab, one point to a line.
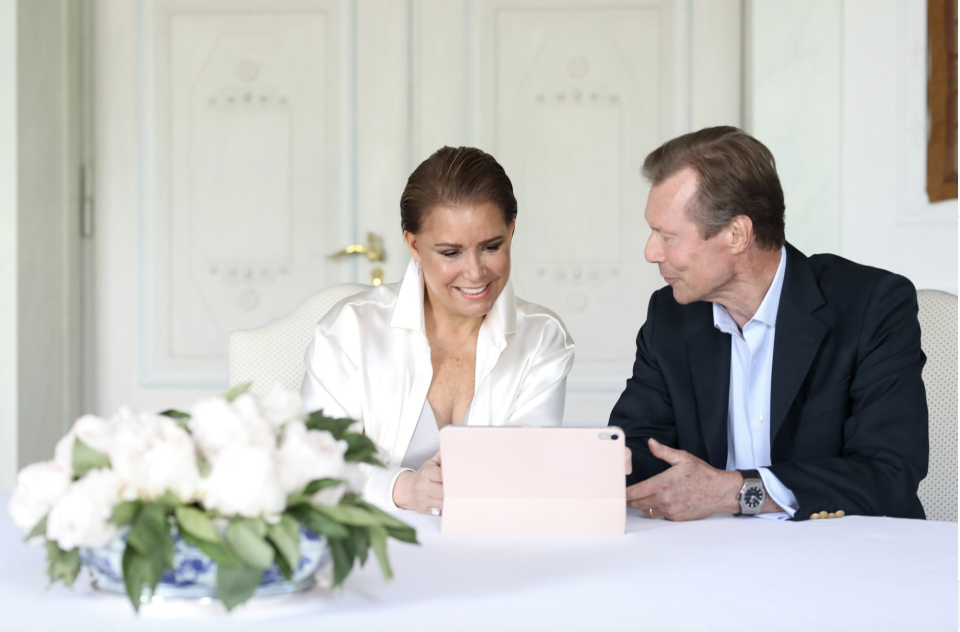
274	353
938	325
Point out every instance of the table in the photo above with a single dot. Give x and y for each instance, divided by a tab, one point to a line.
724	573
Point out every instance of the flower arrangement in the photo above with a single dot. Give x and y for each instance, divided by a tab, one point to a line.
237	477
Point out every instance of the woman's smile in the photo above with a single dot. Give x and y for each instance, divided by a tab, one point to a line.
473	293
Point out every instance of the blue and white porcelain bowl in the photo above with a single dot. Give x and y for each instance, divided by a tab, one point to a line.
194	575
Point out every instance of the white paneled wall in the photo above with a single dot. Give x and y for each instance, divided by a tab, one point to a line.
794	108
197	234
270	133
887	220
243	199
574	101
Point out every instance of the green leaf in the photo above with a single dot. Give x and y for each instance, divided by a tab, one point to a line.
360	449
335	426
237	391
285	536
395	528
321	483
303	495
135	570
197	523
86	458
125	512
360	541
342	560
378	538
168	500
150	537
203	467
354	516
38	530
363	457
282	565
407	534
218	552
245	538
385	519
317	522
62	565
235	584
175	414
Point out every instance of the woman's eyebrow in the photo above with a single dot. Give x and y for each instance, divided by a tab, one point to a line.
485	242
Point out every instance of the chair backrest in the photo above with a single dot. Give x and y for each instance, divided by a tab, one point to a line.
273	354
938	338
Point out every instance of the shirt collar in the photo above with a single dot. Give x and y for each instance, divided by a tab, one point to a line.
769	306
408	311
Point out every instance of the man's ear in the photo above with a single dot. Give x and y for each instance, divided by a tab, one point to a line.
740	233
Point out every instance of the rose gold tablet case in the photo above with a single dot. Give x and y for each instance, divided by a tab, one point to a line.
509	480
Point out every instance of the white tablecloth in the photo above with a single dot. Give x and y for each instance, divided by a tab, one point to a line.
724	573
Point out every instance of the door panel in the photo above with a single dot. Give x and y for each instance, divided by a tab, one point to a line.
577	104
238	188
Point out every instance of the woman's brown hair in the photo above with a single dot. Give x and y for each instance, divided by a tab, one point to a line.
455	176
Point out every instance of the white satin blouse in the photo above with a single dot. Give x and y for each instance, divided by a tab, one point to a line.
370	361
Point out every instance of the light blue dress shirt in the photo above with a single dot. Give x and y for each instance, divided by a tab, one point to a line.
751	368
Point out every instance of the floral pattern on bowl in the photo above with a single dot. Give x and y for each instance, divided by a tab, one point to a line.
194	575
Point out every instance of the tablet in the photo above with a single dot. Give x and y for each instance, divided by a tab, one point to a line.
515	480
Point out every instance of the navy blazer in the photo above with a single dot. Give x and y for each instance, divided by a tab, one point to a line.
848	410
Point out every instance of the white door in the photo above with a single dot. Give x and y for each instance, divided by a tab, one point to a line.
241	142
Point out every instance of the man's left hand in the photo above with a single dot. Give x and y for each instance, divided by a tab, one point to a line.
690	490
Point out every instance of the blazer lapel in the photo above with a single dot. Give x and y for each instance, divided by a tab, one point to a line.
708	353
798	336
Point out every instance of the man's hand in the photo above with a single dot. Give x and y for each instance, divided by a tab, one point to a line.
628	462
690	490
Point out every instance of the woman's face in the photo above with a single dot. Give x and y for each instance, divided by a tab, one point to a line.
464	255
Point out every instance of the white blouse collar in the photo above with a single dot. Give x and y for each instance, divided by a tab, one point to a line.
408	311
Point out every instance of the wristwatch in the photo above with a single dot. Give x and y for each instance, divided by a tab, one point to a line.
752	494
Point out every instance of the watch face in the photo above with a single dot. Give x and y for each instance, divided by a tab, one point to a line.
753	496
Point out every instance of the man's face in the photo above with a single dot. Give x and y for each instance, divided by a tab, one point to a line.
697	269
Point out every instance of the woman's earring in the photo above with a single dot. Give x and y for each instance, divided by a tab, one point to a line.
418	268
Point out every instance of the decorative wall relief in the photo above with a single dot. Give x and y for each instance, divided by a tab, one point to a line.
243	196
578	103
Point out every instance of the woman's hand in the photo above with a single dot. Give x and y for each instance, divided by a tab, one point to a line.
422	490
628	462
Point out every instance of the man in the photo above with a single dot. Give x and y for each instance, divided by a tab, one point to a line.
766	382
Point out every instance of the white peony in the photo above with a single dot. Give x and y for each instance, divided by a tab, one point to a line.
96	432
81	516
281	406
38	487
243	481
217	425
153	455
308	455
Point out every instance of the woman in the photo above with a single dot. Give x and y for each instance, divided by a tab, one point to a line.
450	344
